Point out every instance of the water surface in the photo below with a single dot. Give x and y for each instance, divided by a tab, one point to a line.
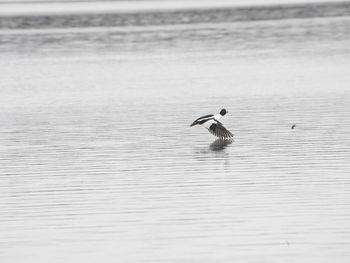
98	162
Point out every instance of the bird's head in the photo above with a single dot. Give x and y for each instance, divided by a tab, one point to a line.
223	112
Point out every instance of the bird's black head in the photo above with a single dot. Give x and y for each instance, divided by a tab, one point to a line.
223	112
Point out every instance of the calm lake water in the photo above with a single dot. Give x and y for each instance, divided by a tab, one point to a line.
98	162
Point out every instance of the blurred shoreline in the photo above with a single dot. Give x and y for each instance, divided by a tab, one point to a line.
42	8
44	18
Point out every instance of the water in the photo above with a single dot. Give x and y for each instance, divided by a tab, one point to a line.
98	162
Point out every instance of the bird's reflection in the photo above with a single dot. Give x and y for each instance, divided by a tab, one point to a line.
220	144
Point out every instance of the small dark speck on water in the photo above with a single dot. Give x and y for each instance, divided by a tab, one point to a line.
293	126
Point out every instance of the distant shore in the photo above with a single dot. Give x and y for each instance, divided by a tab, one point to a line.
55	7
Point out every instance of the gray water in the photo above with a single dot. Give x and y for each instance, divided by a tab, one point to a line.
98	162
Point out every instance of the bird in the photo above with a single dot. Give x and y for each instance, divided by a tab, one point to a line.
211	122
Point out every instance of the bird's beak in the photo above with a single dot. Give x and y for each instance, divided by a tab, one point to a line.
194	123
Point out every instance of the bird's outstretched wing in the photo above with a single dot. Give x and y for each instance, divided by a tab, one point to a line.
219	130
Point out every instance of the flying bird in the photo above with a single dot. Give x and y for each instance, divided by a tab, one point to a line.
211	122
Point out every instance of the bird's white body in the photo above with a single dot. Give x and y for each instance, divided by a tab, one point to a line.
217	117
208	123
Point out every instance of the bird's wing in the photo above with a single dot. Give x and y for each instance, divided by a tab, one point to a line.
219	130
204	117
